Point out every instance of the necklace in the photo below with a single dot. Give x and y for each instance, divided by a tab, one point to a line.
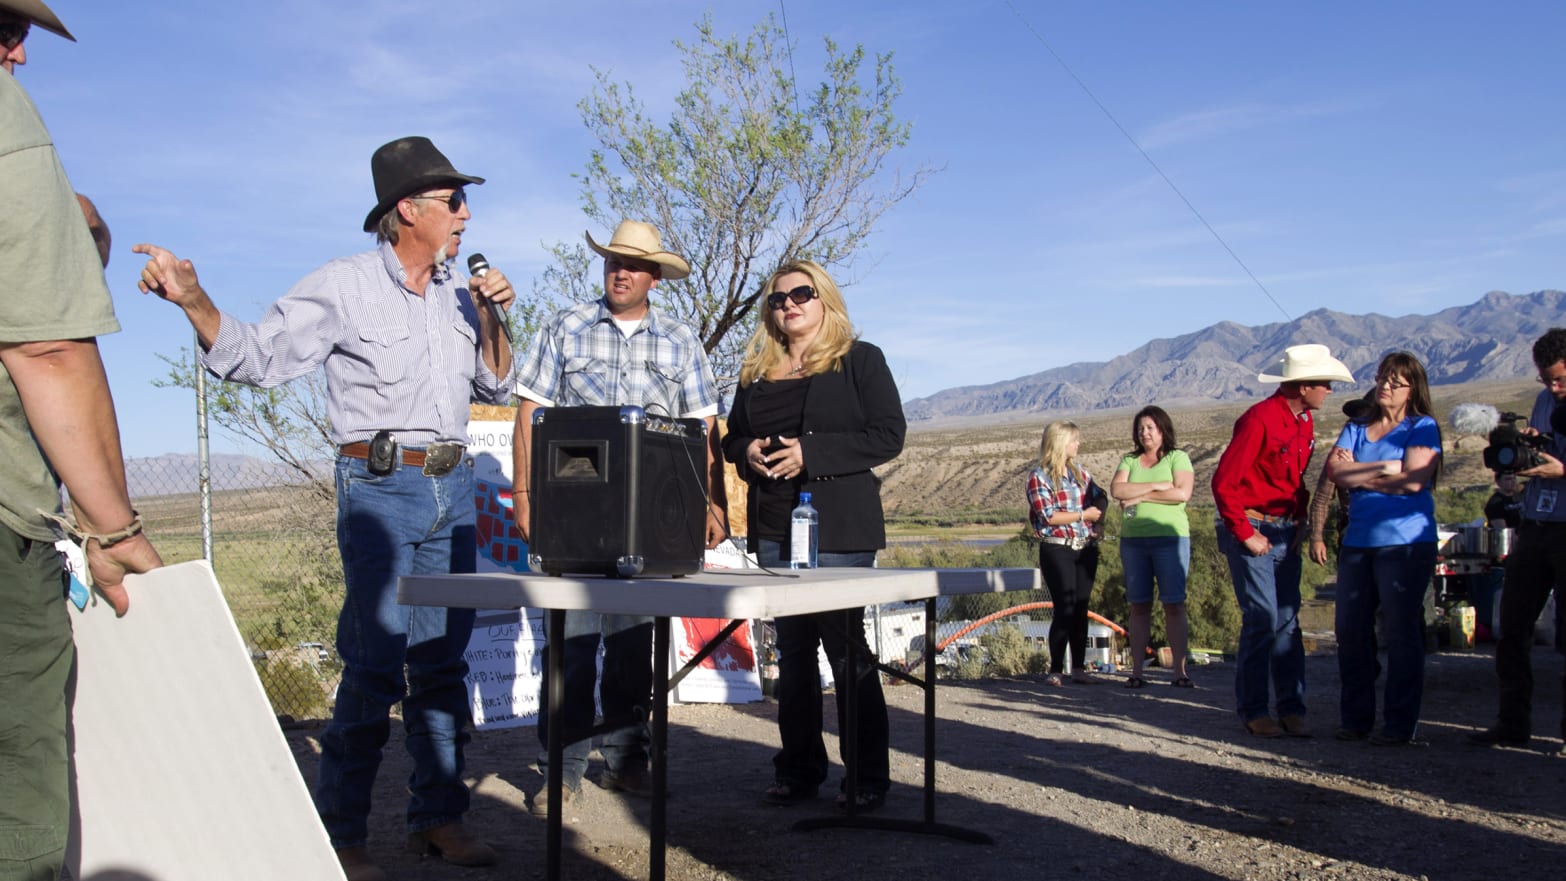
795	371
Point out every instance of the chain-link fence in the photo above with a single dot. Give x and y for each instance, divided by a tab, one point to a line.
1010	641
274	551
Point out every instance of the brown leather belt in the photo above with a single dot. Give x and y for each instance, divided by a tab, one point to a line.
435	460
1274	519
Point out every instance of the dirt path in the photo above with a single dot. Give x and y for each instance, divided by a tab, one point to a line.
1080	781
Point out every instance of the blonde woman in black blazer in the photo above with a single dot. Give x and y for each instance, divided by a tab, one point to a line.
815	411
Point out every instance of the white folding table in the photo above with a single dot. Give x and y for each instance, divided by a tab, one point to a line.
736	594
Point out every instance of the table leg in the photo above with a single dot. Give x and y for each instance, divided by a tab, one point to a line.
850	726
658	822
930	655
556	740
926	826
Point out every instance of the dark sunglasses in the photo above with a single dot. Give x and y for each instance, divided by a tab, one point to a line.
455	201
800	295
12	33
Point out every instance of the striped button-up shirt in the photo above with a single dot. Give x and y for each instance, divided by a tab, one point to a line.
579	358
394	360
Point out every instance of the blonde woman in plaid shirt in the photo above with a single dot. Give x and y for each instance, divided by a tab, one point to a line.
1066	508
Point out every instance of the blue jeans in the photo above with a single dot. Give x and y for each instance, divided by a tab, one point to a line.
1166	558
1393	579
387	527
625	689
1268	591
802	761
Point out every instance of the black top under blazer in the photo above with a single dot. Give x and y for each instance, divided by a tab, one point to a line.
853	421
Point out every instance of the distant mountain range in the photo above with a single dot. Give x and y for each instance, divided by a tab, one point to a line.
1488	340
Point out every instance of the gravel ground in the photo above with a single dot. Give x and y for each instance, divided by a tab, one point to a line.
1078	781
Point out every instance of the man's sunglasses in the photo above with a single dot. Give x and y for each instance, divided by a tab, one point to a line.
12	33
455	201
800	295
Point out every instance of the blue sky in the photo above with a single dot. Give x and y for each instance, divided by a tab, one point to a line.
1390	157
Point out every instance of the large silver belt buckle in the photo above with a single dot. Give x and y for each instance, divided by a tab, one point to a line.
439	459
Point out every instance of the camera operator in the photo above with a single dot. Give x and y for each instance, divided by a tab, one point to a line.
1537	564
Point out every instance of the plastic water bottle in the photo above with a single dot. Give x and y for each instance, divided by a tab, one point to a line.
803	535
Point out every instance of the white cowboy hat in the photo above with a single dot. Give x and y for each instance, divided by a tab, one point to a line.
633	238
1310	362
37	13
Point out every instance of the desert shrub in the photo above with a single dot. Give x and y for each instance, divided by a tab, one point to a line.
295	688
1461	505
1009	653
1020	551
1211	610
1212	613
972	666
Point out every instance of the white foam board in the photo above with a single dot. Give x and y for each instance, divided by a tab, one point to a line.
181	769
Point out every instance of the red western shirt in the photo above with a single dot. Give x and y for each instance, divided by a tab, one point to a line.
1264	467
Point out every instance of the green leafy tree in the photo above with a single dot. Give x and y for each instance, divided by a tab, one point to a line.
745	173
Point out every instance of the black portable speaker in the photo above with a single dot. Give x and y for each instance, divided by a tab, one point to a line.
618	492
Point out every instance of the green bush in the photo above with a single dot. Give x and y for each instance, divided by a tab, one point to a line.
1009	654
295	688
973	666
1211	610
1461	505
1210	607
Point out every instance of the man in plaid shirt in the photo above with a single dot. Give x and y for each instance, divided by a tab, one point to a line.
615	351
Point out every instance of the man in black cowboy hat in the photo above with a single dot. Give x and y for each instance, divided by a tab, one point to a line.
57	425
406	347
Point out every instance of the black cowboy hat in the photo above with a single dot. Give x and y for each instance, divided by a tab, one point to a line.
407	166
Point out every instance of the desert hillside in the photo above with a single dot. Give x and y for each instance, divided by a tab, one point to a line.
985	467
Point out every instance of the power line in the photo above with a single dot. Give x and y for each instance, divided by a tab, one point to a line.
788	44
1111	117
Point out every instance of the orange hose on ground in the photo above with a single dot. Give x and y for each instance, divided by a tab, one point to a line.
1006	613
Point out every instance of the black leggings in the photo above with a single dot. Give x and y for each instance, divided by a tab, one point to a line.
1069	576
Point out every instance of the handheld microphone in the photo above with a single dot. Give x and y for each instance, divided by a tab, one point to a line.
477	265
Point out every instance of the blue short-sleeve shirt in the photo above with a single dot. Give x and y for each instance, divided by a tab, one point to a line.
1378	520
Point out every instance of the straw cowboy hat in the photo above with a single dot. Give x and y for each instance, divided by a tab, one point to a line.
1307	363
407	166
633	238
39	14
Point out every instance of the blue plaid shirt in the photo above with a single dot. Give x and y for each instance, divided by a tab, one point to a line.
579	358
394	360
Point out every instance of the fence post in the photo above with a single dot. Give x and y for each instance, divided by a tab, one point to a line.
203	454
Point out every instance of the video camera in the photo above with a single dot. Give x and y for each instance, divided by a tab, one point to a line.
1510	450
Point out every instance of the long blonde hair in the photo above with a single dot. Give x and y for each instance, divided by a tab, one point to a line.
1052	451
768	346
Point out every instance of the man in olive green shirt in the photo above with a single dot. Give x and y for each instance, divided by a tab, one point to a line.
56	425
